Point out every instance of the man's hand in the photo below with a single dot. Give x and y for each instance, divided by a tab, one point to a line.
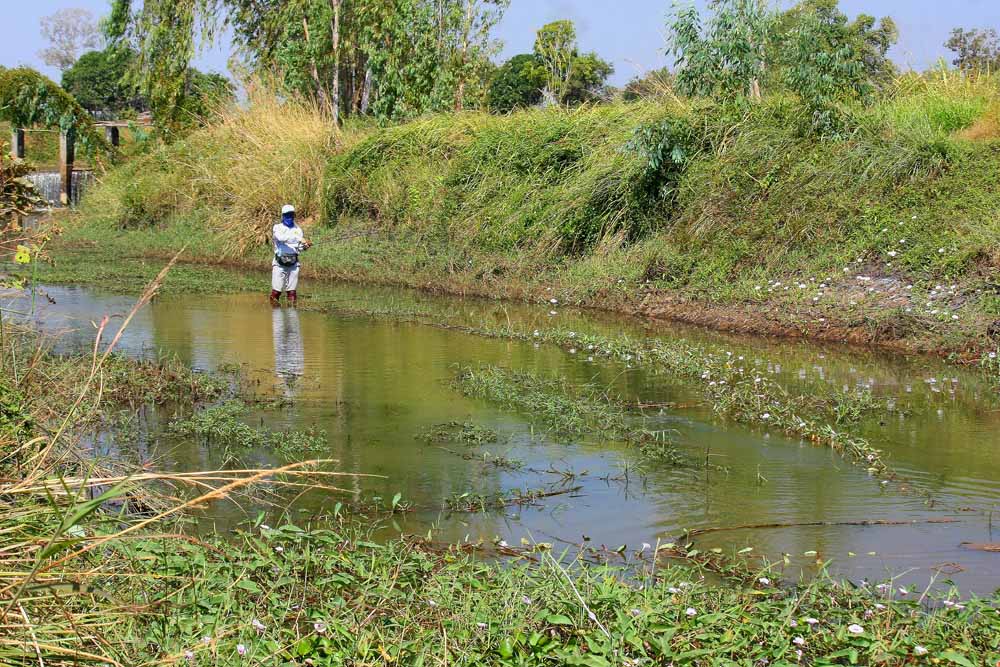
306	244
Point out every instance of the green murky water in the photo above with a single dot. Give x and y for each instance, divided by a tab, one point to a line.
374	384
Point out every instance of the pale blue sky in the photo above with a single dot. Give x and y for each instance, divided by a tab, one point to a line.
630	33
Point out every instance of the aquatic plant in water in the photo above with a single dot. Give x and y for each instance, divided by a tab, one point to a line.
221	425
463	433
735	389
567	410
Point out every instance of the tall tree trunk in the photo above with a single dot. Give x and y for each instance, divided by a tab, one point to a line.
335	5
352	87
366	91
320	91
462	73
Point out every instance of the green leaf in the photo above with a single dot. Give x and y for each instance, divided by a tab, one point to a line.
850	653
304	646
248	585
75	516
559	619
956	657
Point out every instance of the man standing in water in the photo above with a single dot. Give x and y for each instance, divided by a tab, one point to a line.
288	243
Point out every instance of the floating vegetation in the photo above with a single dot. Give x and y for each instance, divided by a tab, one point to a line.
460	433
735	388
486	502
567	410
488	459
222	425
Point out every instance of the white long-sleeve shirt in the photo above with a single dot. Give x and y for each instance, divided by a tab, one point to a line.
288	240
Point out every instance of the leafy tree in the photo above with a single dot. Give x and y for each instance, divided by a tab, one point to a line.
829	61
556	49
203	92
566	75
393	58
98	82
727	58
28	98
650	84
975	50
162	33
517	84
588	79
466	46
69	32
868	40
812	50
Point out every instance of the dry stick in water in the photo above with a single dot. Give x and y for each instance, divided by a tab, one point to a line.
873	522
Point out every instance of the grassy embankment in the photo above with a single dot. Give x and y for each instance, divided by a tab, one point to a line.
88	582
889	235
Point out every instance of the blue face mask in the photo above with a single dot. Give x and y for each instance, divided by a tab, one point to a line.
288	219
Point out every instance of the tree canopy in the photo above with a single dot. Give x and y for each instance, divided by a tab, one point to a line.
975	50
727	57
393	58
556	50
99	82
517	84
588	79
812	50
28	98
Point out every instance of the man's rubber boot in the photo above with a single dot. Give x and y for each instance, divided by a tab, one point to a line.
293	298
275	297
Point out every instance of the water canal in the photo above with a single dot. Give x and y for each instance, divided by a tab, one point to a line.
374	384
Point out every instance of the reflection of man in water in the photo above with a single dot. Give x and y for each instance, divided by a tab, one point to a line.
289	353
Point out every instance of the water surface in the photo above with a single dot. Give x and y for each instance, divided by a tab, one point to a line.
375	384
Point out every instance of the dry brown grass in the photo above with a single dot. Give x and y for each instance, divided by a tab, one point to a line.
259	156
984	129
235	172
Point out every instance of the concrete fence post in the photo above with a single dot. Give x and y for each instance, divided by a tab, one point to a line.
17	142
67	152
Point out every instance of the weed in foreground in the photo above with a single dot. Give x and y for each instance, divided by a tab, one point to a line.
289	594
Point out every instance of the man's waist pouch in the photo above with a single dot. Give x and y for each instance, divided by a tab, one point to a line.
286	259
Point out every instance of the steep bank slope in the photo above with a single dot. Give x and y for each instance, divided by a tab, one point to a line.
889	234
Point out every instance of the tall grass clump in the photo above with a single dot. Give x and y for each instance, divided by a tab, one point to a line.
770	200
548	179
233	174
